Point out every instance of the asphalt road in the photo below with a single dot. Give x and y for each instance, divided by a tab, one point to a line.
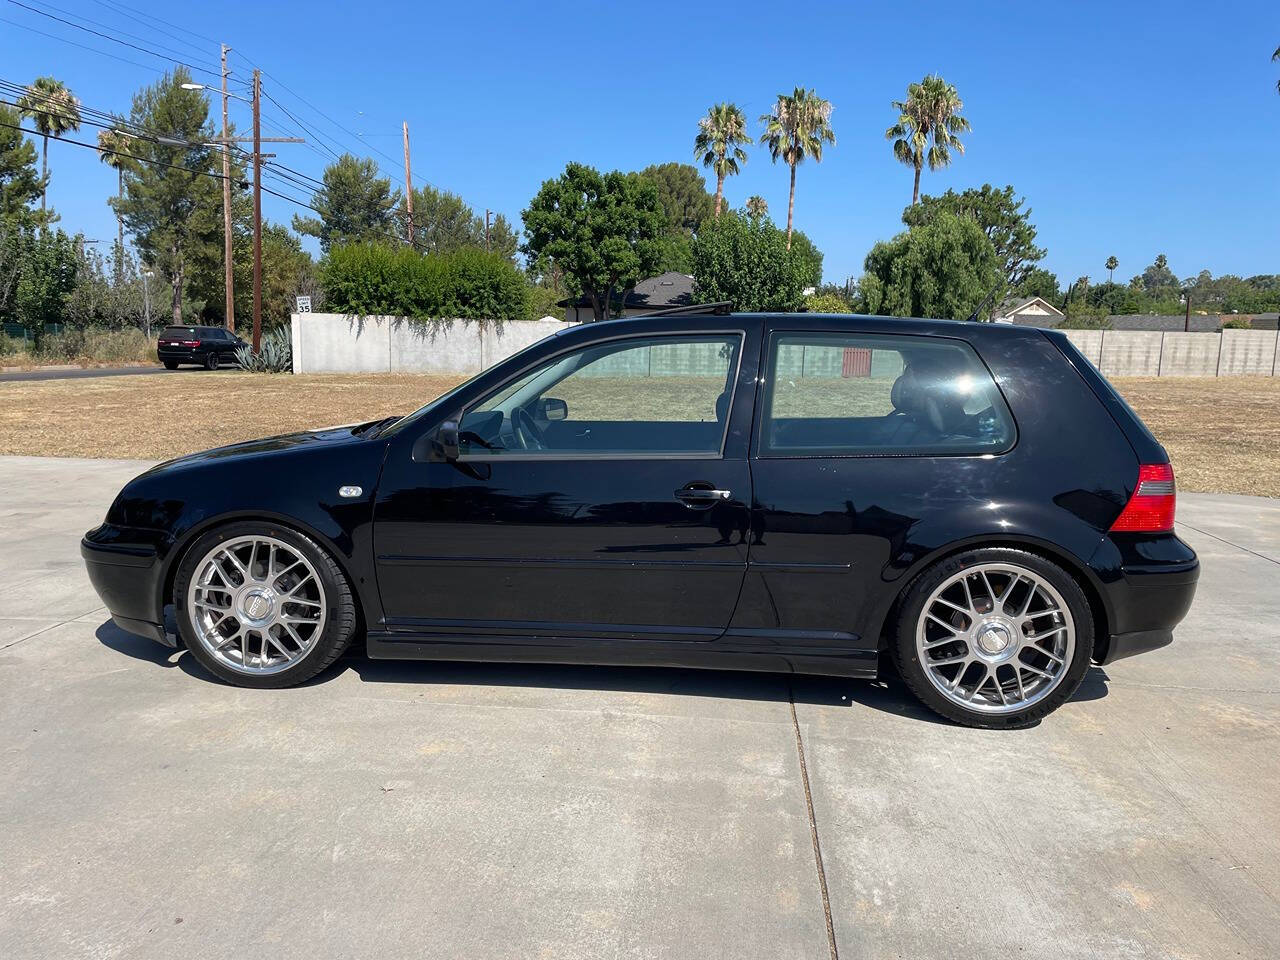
77	373
484	810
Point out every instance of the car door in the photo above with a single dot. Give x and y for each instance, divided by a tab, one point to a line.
600	493
861	434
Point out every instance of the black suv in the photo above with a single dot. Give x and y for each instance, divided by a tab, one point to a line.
207	346
971	503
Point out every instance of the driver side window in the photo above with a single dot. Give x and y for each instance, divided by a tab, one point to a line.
663	396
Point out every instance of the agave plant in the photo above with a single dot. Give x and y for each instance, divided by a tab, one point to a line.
275	354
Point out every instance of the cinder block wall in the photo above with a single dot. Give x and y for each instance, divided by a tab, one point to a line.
337	343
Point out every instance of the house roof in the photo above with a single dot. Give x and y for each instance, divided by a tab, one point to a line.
668	289
1012	306
1172	322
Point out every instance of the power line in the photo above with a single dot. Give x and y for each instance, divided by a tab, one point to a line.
118	153
107	36
82	46
108	26
119	8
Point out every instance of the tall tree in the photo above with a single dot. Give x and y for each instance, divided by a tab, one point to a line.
113	147
721	134
682	194
943	269
55	111
796	128
173	198
603	233
928	127
355	205
1002	218
757	206
1276	57
20	184
746	261
1111	265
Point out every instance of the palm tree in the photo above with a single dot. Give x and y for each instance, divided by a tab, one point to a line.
1274	57
1111	265
931	112
796	128
55	111
112	144
720	134
757	207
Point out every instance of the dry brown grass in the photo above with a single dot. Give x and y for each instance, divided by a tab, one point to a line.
163	416
1223	434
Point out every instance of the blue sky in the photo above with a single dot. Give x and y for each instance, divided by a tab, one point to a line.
1131	128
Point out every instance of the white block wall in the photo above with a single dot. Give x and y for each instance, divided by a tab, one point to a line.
336	343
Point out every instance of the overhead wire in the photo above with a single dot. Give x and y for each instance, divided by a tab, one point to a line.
107	36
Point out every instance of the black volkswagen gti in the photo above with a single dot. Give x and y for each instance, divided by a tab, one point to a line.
788	493
207	346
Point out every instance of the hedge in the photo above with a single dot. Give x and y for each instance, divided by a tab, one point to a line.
468	284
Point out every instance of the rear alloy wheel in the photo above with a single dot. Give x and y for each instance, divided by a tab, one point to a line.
171	364
994	638
263	606
211	361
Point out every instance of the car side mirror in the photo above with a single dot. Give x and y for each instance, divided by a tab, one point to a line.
553	408
446	440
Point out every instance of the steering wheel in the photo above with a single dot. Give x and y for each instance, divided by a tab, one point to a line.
526	431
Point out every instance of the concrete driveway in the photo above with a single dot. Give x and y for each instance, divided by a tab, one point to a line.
460	810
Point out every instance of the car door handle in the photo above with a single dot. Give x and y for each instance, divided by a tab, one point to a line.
700	498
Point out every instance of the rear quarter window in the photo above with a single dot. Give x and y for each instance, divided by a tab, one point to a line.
879	395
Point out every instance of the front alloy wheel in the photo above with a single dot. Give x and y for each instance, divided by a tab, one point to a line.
263	606
995	638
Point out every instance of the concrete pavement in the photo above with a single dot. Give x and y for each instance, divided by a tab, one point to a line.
488	810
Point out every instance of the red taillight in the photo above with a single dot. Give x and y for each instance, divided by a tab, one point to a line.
191	343
1150	509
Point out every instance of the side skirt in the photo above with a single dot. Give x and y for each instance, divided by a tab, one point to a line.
729	653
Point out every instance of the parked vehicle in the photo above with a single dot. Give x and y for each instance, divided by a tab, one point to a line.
207	346
821	494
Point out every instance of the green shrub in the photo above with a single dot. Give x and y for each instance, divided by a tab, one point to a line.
827	303
467	284
1237	323
275	354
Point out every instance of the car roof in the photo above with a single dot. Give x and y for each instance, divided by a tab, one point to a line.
863	323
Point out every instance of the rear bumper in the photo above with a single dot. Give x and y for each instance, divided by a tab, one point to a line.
125	572
1150	584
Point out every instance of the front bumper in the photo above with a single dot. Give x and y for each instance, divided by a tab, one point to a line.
125	572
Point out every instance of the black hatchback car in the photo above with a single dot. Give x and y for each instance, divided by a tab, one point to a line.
821	494
207	346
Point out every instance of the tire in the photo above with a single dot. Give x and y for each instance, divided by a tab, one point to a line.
211	361
986	654
171	364
321	621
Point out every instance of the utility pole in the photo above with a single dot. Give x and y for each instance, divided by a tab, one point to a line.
486	230
1186	324
408	183
257	209
226	196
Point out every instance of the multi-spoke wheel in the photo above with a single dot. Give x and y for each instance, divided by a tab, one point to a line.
994	637
262	606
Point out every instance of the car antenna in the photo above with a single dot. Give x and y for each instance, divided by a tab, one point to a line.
973	317
721	308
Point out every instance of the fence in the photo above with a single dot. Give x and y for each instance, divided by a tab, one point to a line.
334	343
1152	353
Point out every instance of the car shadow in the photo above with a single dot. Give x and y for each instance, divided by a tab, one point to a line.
887	694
